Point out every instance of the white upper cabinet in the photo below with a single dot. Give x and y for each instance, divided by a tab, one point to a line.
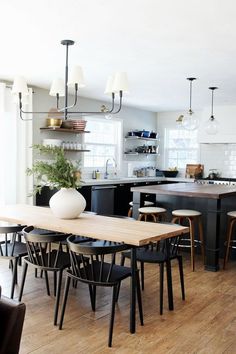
226	118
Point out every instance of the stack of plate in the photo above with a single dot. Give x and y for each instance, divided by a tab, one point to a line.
79	124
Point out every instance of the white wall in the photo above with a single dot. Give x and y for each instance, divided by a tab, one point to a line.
215	151
132	119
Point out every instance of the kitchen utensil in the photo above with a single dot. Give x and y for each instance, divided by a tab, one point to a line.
213	174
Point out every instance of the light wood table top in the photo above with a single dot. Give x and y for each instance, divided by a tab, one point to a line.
135	233
211	191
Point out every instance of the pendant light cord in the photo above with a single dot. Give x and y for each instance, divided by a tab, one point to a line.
190	93
212	101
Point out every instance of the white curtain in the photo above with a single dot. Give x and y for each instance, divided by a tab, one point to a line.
15	151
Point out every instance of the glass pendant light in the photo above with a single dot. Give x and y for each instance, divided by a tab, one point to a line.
189	121
212	124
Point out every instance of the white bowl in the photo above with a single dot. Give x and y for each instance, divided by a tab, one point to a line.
52	142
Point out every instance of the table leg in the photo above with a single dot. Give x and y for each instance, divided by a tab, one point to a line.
213	235
169	276
136	204
133	290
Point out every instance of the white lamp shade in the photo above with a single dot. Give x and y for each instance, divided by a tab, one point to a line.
120	82
20	86
76	77
109	85
57	87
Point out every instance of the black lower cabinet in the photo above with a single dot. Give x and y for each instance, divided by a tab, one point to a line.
123	196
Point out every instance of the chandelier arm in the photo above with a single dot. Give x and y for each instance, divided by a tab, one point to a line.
99	112
120	104
26	112
73	105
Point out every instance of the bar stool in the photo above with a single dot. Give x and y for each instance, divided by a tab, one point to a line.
158	214
146	203
191	216
229	242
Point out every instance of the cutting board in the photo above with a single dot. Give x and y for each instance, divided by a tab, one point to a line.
194	170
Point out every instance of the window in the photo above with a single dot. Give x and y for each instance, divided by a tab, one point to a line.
104	142
181	148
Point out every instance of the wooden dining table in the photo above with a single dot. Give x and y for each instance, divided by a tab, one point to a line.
131	232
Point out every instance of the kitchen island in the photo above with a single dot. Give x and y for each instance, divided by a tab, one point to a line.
213	201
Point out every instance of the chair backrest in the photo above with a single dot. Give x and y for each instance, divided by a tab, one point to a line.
10	232
12	316
88	260
40	247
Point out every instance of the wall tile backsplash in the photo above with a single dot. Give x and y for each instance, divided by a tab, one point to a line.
219	156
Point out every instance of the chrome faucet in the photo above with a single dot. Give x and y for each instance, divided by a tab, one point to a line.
106	171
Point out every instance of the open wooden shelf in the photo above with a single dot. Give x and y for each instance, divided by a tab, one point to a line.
65	130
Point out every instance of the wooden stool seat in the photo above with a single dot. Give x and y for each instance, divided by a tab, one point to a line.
191	216
146	203
229	243
186	213
155	212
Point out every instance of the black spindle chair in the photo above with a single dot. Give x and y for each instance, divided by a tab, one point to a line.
43	256
12	248
159	253
97	272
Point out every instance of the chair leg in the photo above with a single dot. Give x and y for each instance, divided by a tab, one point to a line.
47	282
181	274
14	277
154	217
191	226
66	291
55	283
161	287
228	242
142	274
112	315
58	294
139	297
23	280
200	228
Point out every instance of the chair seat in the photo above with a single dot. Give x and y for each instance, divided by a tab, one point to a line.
151	210
232	214
20	249
186	212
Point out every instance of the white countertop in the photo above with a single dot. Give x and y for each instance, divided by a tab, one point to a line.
118	180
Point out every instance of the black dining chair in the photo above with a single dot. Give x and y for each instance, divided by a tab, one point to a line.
97	272
46	258
12	248
159	253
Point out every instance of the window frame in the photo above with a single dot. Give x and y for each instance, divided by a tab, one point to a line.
118	146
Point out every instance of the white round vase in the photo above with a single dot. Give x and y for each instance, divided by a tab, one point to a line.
67	203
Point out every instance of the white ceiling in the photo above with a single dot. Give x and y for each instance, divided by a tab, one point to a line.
159	43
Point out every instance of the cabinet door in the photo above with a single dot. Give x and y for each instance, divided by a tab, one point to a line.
123	196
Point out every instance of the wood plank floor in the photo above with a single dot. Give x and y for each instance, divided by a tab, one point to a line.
204	323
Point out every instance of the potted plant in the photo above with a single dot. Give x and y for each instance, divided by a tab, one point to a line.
62	174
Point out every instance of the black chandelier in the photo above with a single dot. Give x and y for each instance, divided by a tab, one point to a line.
116	84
